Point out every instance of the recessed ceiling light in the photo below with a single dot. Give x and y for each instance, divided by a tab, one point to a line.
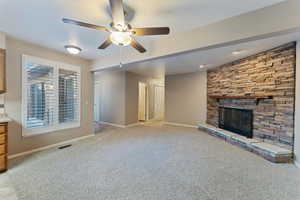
73	49
201	66
237	52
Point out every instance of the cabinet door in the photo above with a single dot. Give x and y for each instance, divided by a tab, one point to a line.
3	164
2	71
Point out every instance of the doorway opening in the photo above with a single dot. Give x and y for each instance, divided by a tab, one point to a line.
151	100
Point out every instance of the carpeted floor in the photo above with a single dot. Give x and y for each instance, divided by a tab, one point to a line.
152	163
100	128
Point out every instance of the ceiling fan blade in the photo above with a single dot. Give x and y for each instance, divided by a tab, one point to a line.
105	44
137	46
117	11
71	21
151	31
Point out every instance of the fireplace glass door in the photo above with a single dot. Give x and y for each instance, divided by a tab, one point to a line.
239	121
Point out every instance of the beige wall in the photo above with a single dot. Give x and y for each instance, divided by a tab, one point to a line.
297	109
119	105
132	95
185	98
17	143
112	96
2	41
2	46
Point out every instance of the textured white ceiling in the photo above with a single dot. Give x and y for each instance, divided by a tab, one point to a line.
39	21
190	62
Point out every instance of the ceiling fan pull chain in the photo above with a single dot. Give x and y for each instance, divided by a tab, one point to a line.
121	56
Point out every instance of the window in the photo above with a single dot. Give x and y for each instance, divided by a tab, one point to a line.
50	96
68	96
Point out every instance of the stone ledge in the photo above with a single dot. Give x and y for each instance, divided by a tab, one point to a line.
268	151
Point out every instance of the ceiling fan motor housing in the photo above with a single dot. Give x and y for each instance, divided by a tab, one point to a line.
120	27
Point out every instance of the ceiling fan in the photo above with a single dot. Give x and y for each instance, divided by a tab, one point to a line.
121	32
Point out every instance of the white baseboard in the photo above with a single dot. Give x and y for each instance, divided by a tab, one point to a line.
112	124
132	125
182	125
49	146
119	125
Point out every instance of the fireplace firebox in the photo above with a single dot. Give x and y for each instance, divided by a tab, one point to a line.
239	121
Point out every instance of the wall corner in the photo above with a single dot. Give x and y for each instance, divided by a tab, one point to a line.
297	107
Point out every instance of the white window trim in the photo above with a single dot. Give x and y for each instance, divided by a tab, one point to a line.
57	66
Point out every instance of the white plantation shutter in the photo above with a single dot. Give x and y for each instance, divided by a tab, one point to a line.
50	96
68	95
41	97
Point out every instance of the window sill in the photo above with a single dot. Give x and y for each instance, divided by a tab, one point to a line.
41	131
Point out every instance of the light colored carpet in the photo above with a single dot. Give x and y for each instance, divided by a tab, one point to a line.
99	128
153	163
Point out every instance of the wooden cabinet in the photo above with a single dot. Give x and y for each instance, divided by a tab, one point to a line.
2	71
3	147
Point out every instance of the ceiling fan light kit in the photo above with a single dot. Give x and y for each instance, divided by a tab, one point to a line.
120	38
73	49
121	33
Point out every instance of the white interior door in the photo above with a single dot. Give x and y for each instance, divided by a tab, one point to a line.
159	102
97	103
142	102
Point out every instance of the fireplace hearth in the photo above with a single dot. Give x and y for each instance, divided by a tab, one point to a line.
239	121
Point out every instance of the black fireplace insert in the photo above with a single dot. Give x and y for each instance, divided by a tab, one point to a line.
239	121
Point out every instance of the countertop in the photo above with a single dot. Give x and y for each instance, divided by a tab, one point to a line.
4	118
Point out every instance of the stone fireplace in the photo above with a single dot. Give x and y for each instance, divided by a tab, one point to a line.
268	74
262	86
